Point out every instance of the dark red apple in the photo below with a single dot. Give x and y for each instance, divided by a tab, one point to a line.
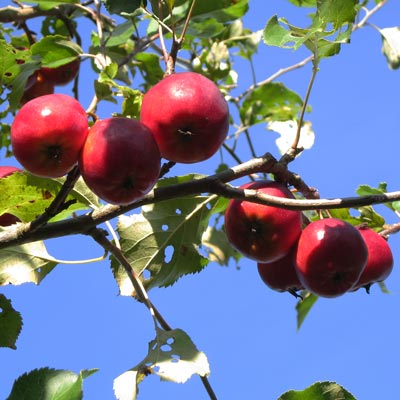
262	233
48	133
331	255
8	219
188	116
281	275
380	259
36	87
120	160
62	75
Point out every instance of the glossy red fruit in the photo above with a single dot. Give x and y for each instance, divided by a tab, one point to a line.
281	275
120	160
262	233
8	219
331	255
188	116
62	75
48	133
380	259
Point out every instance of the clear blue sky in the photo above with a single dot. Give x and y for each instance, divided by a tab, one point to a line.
76	320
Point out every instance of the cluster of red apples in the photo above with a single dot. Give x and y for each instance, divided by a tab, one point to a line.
184	118
328	257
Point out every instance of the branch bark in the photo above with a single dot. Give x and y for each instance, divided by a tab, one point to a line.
213	184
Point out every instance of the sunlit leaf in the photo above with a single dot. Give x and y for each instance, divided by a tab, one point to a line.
218	248
172	356
287	131
337	12
272	102
27	196
163	240
391	46
25	263
319	391
49	384
10	323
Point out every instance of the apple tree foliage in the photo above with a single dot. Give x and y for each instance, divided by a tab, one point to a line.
139	41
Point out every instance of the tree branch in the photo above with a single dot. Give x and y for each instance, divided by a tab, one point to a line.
215	184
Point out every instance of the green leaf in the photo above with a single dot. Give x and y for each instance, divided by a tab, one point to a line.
56	50
49	384
25	263
336	12
218	248
164	239
273	101
149	65
49	4
172	356
366	190
16	66
124	6
10	323
120	34
391	46
277	35
319	391
27	196
369	216
304	3
303	306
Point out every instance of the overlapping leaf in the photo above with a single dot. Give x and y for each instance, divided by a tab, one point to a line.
331	25
27	196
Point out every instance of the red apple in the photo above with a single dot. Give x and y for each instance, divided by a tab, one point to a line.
262	233
62	75
331	255
48	133
380	259
8	219
188	116
36	87
281	275
120	160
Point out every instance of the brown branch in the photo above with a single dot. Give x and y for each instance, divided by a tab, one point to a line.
15	14
215	184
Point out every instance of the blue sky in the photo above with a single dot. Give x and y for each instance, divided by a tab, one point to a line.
76	320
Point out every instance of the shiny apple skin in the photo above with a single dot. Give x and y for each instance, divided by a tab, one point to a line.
262	233
281	275
380	259
188	116
48	133
120	161
330	257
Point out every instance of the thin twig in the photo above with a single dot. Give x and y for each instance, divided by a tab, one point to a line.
99	236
